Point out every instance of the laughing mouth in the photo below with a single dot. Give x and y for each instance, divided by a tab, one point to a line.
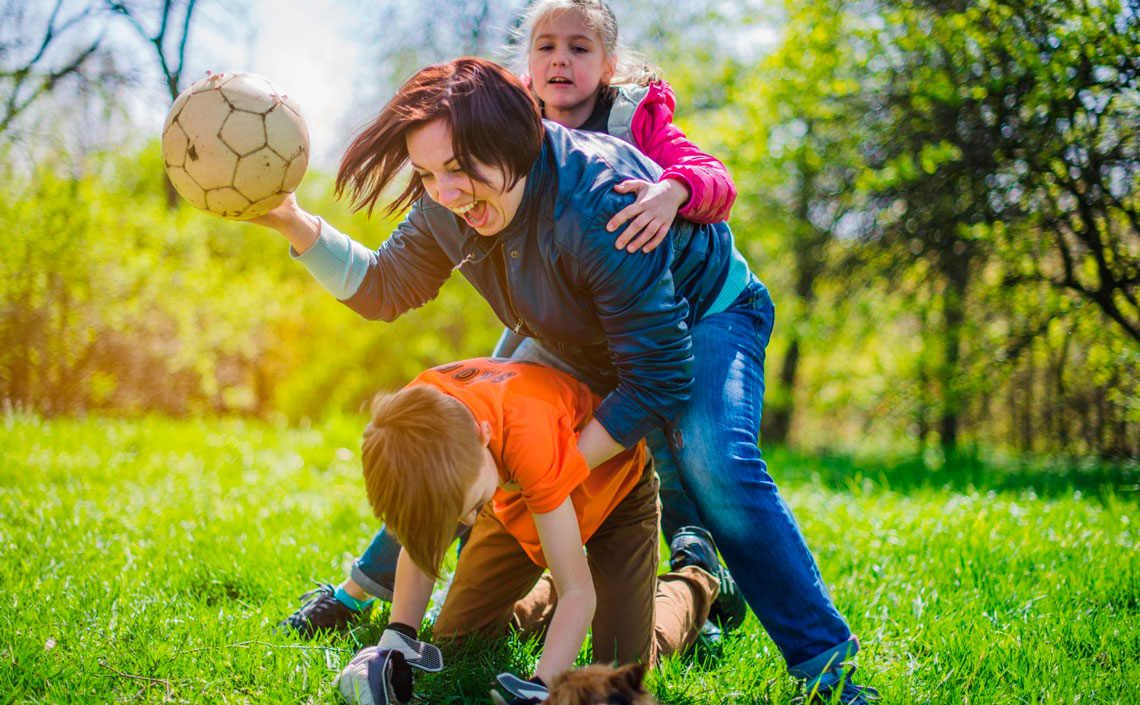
476	213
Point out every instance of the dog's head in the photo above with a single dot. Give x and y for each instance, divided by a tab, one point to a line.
601	685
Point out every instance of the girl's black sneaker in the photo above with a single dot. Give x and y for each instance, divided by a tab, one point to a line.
323	613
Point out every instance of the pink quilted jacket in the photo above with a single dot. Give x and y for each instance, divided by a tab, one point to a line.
653	132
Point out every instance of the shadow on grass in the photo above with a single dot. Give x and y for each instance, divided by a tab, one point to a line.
214	587
473	663
964	471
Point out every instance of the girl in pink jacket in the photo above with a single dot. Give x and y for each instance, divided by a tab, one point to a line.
583	79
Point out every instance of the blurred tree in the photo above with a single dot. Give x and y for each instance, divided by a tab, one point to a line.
929	157
38	53
168	32
899	155
796	168
1073	155
998	111
125	306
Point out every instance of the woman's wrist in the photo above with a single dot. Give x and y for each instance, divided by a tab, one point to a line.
302	230
596	444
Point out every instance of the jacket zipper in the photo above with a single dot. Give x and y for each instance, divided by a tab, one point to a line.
520	324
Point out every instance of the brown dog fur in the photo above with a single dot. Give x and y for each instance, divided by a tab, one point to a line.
600	685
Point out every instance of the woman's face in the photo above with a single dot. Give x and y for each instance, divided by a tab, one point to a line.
485	205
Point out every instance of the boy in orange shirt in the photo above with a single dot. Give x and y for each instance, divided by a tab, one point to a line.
493	443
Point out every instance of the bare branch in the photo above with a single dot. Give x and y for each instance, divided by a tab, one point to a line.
13	108
170	66
29	73
182	48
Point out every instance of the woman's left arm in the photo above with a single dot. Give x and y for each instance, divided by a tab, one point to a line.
645	325
596	444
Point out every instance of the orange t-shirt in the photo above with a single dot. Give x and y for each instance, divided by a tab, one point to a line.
536	414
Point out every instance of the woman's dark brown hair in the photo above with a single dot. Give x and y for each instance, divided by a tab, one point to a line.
493	119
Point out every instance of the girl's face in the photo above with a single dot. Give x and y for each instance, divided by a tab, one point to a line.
567	63
485	205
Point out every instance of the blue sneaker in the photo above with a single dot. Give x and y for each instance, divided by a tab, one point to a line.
837	687
693	545
828	678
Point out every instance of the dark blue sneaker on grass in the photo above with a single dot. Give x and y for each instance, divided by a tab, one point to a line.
828	678
835	687
322	614
693	545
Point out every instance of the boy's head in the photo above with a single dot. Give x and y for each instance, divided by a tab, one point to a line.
425	461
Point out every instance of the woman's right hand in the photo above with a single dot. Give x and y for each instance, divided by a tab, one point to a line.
301	229
279	215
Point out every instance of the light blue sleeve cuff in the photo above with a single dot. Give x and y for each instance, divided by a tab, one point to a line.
735	283
336	261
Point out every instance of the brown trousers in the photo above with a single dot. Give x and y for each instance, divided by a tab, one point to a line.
639	617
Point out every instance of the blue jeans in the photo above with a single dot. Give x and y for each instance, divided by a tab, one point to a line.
711	462
375	570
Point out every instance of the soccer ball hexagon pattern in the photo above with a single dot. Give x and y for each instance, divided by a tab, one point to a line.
235	145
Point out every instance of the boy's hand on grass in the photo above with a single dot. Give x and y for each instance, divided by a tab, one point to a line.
376	676
419	654
522	692
382	674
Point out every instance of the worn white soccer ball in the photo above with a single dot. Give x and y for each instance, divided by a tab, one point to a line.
235	145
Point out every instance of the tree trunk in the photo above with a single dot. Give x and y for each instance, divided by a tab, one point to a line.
778	424
1027	417
808	248
956	267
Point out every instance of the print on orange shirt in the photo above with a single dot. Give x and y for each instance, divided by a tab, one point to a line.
536	414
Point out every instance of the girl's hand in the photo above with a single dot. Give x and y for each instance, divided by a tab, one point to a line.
652	213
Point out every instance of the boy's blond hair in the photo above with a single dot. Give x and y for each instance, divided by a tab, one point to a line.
421	455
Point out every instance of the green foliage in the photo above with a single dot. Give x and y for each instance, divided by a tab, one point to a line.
162	550
941	197
108	300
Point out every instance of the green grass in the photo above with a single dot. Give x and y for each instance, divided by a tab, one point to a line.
146	561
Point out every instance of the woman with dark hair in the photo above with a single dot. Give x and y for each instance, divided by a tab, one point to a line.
674	340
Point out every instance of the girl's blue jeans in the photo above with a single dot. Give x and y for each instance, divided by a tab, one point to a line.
713	475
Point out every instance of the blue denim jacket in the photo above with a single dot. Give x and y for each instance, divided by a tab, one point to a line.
555	275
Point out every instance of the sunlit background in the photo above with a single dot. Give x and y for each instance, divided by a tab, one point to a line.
942	196
942	199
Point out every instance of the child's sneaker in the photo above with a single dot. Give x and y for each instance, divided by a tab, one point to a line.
323	613
693	545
